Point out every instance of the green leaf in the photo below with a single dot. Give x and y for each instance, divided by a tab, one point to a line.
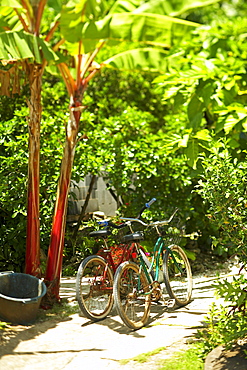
145	27
146	58
172	141
206	90
191	255
188	5
11	4
195	112
124	6
48	52
184	141
232	120
55	4
192	153
173	8
172	91
14	46
22	45
203	135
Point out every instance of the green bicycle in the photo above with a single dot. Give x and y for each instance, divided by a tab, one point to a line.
136	285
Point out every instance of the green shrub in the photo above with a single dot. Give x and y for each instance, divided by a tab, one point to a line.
228	323
13	175
223	188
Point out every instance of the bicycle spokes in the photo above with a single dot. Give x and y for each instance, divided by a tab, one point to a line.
95	288
178	276
131	290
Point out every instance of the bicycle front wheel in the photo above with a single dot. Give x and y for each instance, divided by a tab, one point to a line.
177	274
94	288
132	295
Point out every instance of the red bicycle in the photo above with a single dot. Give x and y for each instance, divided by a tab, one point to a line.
94	281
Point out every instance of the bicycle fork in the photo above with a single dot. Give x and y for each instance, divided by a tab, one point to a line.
153	287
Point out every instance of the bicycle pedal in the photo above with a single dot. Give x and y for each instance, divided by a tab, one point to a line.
170	303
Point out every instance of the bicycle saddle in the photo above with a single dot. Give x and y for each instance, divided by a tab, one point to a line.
133	237
100	233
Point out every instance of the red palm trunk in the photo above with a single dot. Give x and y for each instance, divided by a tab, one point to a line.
33	224
55	252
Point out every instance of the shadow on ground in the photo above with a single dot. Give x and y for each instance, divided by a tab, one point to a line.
14	334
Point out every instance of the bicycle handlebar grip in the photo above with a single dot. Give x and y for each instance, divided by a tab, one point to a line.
147	205
150	203
103	223
111	224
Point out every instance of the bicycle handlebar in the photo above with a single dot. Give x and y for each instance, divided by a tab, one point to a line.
111	224
152	224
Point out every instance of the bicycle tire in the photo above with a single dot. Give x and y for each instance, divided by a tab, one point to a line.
131	295
178	276
94	288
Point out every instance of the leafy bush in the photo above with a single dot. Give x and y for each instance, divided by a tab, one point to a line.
223	188
225	324
131	158
13	175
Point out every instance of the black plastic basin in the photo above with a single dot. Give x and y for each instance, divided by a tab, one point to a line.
20	297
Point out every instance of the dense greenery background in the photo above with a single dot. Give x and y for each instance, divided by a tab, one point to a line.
146	132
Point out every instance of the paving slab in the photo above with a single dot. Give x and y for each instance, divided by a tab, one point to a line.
77	342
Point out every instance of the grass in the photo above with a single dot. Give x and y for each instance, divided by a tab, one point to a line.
143	357
59	311
187	360
3	325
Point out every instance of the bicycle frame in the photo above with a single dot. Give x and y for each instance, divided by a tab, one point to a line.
101	286
158	248
128	250
157	251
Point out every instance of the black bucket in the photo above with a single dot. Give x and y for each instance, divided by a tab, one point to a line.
20	297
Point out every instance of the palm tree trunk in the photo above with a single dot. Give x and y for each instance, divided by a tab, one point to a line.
32	265
55	251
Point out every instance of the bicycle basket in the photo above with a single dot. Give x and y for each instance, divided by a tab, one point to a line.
116	252
174	231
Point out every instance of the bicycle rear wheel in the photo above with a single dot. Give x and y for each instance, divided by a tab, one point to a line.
94	288
177	274
131	295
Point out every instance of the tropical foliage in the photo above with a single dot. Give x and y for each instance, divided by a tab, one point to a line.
226	324
223	187
202	89
206	88
85	34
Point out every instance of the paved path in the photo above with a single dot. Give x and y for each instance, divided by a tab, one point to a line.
77	343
